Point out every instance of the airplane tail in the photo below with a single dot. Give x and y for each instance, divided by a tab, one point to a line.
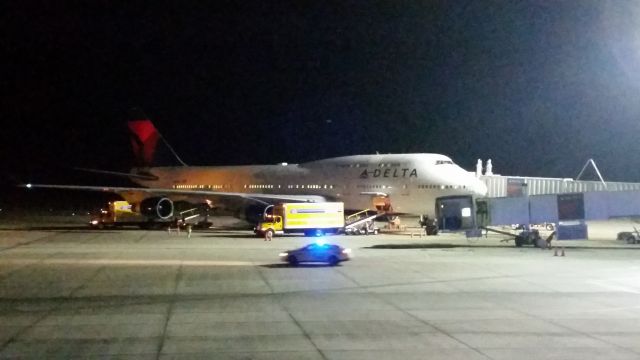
149	147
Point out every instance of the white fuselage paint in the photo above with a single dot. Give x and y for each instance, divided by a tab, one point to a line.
412	182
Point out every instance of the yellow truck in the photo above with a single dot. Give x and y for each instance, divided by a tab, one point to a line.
312	219
116	214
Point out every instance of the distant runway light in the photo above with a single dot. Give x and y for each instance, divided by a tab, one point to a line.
29	186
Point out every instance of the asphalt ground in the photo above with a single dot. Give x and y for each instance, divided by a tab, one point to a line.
69	292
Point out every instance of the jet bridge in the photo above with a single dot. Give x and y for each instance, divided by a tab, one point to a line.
455	213
536	209
564	201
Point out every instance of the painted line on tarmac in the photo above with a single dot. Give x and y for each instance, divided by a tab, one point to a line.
132	262
619	288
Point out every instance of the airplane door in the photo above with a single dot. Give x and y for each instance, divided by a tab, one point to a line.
382	203
455	213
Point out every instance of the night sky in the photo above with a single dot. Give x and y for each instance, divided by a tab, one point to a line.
537	86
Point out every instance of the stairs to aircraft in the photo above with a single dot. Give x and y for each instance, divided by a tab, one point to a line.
194	218
362	220
188	215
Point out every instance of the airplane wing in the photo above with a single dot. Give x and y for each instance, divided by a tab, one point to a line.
259	197
139	175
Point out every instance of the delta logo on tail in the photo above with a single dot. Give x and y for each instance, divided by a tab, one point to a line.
144	138
149	146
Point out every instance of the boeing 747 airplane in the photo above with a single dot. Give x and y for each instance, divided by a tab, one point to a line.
417	184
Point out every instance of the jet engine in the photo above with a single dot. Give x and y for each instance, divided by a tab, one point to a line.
157	208
251	212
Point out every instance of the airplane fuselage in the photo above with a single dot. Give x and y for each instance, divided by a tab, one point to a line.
408	183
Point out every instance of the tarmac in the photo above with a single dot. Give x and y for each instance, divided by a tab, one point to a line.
70	292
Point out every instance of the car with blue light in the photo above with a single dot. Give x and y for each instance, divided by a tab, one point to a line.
317	252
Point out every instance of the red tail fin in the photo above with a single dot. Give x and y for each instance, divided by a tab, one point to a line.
144	139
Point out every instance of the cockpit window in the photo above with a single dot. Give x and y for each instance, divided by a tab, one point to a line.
441	162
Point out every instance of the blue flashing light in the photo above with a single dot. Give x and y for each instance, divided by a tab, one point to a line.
321	242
